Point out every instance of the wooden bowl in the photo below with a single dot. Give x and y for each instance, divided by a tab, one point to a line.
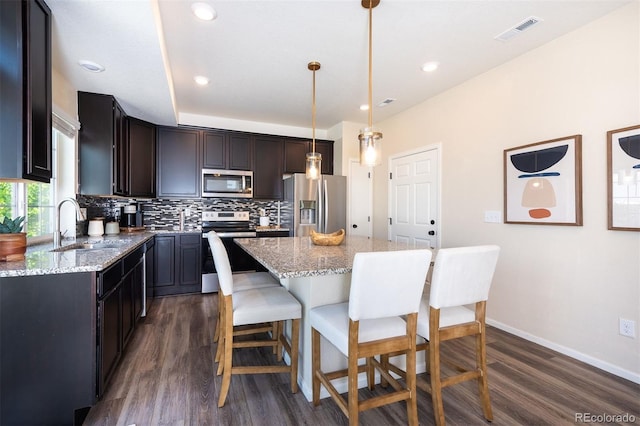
333	239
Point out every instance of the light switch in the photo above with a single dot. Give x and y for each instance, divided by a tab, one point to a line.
492	216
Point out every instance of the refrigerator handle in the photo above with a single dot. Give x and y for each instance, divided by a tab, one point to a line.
326	206
320	209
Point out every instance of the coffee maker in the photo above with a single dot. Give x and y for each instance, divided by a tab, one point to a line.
131	216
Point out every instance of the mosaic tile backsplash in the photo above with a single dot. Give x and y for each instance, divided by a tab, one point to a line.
164	213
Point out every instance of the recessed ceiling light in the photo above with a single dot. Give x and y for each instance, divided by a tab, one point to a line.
90	66
430	66
364	107
204	11
201	80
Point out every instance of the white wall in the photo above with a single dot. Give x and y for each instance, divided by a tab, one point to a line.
562	286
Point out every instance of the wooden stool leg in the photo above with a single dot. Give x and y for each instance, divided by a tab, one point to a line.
295	343
353	373
481	363
412	402
315	365
227	338
434	361
216	335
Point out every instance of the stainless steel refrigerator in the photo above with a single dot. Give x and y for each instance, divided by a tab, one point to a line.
320	204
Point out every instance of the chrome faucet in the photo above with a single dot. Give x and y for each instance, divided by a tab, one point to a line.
57	235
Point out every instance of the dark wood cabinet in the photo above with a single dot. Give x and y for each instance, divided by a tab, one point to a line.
179	165
116	152
141	162
102	152
25	90
178	264
268	167
326	149
295	155
226	150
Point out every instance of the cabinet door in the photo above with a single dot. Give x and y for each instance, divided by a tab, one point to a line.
120	152
189	264
138	293
37	93
178	163
214	150
95	143
295	155
110	336
268	168
164	265
142	158
127	306
326	149
240	152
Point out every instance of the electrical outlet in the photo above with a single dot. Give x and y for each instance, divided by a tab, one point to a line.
627	327
492	216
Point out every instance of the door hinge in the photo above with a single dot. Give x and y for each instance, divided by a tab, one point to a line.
390	175
368	218
368	175
390	221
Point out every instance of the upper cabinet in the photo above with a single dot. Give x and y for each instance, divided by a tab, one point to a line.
116	152
25	90
142	154
179	171
268	167
226	150
295	154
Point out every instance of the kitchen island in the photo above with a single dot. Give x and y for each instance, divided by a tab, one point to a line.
316	275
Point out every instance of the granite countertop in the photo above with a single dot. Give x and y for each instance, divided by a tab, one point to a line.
291	257
41	260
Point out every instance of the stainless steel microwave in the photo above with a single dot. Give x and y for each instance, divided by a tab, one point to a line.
227	183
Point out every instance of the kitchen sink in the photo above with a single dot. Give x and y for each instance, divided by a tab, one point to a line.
98	245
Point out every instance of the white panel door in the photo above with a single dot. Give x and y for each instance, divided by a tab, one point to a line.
360	199
414	199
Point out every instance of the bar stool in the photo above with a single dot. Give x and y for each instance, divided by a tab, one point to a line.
461	276
251	307
384	287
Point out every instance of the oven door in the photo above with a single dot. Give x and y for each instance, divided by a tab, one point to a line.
239	259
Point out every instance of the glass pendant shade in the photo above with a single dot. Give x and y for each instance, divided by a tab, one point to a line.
314	165
370	147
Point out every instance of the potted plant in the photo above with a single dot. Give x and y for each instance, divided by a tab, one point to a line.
13	242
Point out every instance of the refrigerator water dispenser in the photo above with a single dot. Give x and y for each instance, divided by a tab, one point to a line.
307	212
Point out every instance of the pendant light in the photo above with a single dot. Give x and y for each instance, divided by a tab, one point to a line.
314	160
370	139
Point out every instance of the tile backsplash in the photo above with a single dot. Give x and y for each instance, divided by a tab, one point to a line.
164	213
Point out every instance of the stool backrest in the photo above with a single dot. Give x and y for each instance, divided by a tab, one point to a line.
462	275
386	284
221	260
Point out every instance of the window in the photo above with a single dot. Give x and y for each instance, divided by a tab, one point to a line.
37	201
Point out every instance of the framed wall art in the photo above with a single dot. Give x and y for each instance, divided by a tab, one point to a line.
623	178
543	182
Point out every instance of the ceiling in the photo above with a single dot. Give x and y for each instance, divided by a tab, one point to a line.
256	53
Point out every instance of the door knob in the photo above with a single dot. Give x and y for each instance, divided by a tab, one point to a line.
354	226
433	222
432	232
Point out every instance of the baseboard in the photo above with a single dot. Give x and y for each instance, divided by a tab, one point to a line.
587	359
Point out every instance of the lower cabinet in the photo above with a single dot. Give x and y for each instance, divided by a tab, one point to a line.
178	264
119	307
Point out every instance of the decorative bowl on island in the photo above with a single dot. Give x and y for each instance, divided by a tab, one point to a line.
333	239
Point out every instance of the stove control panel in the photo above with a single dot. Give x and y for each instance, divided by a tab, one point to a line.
214	216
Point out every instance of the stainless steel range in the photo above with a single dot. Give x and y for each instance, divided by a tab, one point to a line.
228	225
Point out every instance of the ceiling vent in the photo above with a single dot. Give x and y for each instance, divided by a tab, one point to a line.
386	102
517	29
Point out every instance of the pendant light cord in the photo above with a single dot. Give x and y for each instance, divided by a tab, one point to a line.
370	66
313	115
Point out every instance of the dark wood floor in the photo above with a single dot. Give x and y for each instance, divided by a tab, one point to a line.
167	378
